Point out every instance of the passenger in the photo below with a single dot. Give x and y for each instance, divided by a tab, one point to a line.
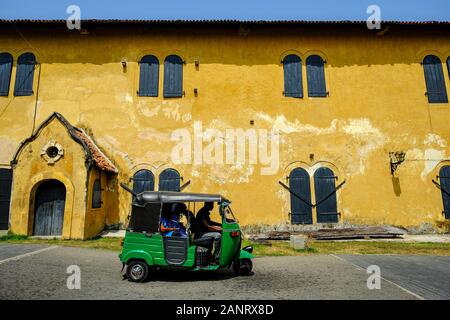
170	224
208	228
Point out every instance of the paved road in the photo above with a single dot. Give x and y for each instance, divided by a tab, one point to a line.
427	276
41	274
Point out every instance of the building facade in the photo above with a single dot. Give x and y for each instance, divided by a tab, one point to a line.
354	121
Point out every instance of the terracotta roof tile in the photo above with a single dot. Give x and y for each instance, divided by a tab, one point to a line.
100	159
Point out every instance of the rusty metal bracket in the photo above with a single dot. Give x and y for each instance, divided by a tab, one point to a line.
440	187
329	195
295	194
185	185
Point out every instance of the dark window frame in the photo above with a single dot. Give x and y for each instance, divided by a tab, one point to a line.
5	79
26	64
293	76
172	175
139	176
173	76
317	84
97	194
434	79
149	76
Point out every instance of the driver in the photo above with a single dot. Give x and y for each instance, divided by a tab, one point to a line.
208	228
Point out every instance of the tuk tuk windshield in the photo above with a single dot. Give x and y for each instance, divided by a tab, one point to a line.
228	214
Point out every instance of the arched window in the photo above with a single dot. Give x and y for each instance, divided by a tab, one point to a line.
97	194
434	78
301	208
143	180
173	76
24	75
444	179
316	76
6	61
293	87
149	76
325	191
169	180
448	66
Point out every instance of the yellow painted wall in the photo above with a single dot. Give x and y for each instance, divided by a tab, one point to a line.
376	105
31	170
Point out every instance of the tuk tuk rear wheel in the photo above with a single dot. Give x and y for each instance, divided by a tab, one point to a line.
137	271
243	267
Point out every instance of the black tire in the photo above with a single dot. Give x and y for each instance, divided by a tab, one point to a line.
243	267
137	271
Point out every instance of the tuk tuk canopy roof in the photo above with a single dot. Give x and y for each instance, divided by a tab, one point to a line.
172	196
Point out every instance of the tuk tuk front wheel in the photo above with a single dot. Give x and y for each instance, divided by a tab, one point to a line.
137	271
243	267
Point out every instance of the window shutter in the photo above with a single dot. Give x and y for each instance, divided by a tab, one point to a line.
316	76
149	76
444	179
325	191
448	66
301	210
6	61
143	180
97	194
169	180
25	74
434	79
173	76
293	86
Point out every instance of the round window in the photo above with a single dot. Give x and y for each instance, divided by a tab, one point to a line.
52	152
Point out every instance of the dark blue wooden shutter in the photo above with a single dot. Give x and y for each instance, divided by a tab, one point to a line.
97	194
299	183
149	76
169	180
448	66
6	61
315	74
434	78
5	197
325	191
444	179
143	180
24	75
293	86
173	76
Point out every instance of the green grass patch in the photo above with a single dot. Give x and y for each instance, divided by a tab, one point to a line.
98	243
13	237
282	248
272	248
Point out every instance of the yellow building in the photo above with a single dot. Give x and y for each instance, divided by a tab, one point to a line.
356	121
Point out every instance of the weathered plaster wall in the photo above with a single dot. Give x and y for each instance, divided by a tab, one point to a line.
376	105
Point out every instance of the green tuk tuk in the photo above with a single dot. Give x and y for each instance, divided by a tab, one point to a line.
145	248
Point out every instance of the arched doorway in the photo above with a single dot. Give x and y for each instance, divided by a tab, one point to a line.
50	199
444	179
169	180
143	180
325	190
301	208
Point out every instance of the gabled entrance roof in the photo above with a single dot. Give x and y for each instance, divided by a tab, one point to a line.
94	156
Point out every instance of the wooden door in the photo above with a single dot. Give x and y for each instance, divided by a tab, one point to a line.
50	201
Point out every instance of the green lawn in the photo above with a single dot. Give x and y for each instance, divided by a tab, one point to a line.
273	248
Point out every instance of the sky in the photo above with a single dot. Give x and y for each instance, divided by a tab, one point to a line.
404	10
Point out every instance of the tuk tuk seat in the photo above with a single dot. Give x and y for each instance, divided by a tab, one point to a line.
203	242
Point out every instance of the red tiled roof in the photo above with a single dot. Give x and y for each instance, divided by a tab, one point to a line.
100	159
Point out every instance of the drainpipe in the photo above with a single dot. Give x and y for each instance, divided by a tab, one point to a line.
37	98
